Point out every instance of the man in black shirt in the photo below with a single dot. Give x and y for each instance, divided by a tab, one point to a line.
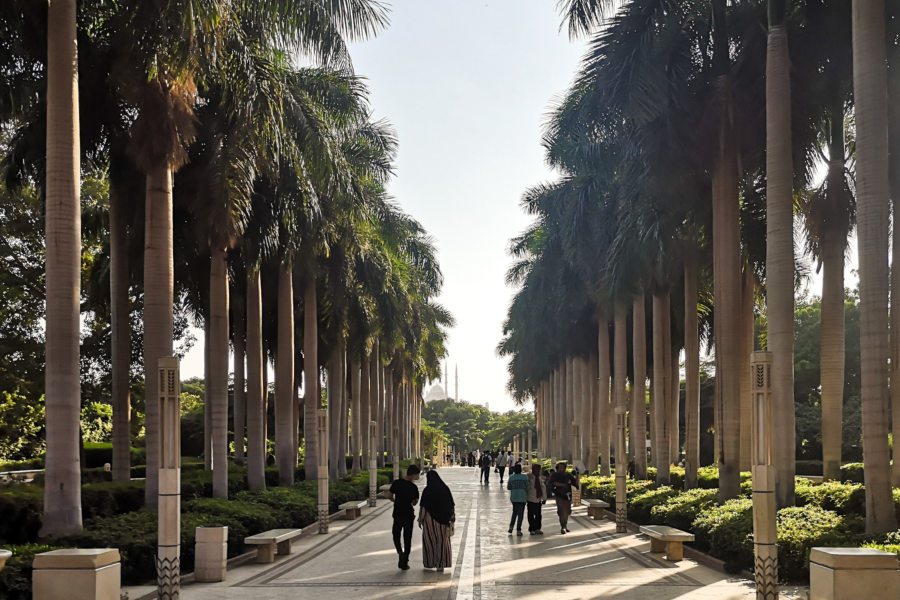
404	494
485	463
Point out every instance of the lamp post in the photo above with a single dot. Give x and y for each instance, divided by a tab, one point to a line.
373	463
168	553
574	441
621	468
764	511
322	421
395	449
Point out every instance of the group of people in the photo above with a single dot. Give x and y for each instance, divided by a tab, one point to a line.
437	509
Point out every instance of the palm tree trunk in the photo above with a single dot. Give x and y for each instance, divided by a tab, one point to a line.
355	415
584	419
374	382
831	361
747	345
661	375
836	150
207	403
780	252
343	449
577	389
159	285
62	489
380	417
364	399
217	393
620	371
285	440
592	422
240	395
691	375
674	384
120	325
605	411
870	94
256	406
639	387
297	402
311	373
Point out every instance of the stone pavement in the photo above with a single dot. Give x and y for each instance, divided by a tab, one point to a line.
357	560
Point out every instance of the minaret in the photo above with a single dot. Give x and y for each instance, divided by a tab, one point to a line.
457	382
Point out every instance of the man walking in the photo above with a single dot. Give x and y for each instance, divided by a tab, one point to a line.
485	463
518	495
501	466
404	494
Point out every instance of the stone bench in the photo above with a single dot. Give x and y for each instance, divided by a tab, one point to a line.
668	539
851	573
384	489
353	509
24	476
595	507
77	574
269	540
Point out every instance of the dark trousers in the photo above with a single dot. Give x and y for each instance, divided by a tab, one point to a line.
485	474
534	516
404	525
502	471
517	515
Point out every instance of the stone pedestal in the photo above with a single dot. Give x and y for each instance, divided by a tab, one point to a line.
4	556
210	554
852	573
77	574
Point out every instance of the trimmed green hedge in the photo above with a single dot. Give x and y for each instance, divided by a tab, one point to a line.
15	579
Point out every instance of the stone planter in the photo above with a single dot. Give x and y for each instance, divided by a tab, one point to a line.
77	574
853	573
210	554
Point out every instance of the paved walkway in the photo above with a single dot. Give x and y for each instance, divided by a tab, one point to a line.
357	560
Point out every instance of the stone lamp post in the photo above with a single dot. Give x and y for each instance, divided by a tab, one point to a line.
168	555
621	470
395	449
322	475
373	463
764	511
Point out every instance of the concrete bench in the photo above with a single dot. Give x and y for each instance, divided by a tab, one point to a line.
269	540
595	507
25	476
77	574
851	573
668	539
353	509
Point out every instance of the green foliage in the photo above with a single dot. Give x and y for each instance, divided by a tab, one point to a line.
21	426
470	426
681	510
21	507
15	578
96	422
726	529
641	504
800	528
842	498
852	472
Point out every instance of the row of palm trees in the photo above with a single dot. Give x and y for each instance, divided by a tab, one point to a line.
672	202
244	185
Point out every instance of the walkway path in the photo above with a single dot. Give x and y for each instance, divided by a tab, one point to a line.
356	560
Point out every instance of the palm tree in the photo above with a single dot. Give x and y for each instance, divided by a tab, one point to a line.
62	489
870	94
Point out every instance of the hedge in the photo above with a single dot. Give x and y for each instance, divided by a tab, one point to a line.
15	579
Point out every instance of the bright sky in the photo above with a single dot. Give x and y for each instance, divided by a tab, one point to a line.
467	85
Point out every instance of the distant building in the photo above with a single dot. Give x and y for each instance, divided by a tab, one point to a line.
436	393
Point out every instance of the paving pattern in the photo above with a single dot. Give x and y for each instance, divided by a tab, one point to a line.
356	560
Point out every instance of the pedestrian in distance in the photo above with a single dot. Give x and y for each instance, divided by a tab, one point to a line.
561	483
501	466
485	463
436	516
404	494
518	495
537	497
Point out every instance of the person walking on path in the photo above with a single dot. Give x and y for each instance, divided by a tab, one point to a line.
518	495
537	497
561	483
501	466
404	494
485	463
436	514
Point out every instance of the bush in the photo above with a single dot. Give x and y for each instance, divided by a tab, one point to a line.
681	510
111	498
23	465
134	534
726	530
809	467
641	505
21	507
800	528
15	579
296	507
843	498
853	473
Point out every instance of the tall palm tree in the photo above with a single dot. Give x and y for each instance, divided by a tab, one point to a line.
62	490
870	95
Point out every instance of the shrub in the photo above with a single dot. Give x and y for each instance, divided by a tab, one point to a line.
134	534
843	498
15	579
22	465
297	508
251	517
641	505
809	467
852	472
726	530
111	498
680	511
21	507
800	528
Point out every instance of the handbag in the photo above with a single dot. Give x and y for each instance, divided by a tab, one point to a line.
450	529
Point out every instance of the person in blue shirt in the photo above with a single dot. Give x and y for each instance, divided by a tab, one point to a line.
517	484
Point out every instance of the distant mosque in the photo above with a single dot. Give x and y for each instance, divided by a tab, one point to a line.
438	392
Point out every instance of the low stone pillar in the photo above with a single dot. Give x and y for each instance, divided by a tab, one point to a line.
852	573
4	556
77	574
210	554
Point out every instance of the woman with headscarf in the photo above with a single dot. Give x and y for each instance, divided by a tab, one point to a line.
537	496
436	513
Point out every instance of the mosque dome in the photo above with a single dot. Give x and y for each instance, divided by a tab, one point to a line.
436	393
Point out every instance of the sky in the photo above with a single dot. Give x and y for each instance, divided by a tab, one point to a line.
467	85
